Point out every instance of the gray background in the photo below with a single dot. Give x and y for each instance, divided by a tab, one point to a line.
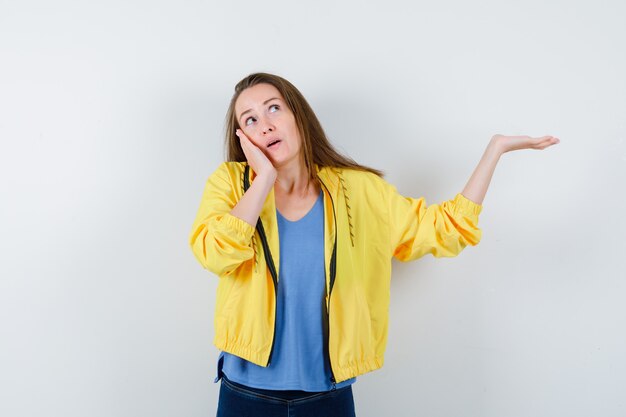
111	119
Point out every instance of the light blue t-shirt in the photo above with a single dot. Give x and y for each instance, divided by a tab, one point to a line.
300	357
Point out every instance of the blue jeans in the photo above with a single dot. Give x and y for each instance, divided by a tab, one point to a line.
242	401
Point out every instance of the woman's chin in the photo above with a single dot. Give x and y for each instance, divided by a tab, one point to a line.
283	162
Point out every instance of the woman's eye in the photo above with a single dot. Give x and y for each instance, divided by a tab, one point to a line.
249	121
274	106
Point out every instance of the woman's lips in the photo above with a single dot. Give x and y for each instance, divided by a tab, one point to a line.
274	144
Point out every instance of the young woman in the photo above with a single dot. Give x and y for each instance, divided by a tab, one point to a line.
301	238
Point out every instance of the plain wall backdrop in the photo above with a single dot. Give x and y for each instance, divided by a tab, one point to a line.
111	120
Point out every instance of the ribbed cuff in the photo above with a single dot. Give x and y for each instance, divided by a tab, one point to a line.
465	205
234	225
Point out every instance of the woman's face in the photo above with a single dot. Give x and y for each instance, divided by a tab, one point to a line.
267	121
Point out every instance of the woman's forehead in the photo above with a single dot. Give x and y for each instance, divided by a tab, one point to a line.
255	96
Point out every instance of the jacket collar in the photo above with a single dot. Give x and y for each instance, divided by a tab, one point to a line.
334	184
330	177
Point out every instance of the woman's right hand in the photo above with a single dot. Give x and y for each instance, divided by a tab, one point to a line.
251	203
258	161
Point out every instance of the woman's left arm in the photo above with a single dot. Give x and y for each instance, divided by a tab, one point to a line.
477	186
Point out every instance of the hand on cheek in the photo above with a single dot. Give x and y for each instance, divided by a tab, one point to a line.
258	161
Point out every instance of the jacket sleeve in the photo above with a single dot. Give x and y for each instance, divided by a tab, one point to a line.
220	241
442	230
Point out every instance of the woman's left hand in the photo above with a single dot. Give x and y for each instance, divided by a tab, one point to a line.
514	143
478	183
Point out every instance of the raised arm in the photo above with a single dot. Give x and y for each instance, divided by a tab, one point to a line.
250	205
477	186
222	231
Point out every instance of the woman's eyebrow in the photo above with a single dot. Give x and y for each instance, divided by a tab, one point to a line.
264	103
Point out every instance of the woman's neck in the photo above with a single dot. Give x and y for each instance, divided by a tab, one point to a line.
292	180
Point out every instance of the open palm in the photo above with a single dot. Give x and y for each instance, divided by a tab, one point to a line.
514	143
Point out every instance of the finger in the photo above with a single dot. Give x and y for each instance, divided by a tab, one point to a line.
553	141
544	143
244	138
547	141
240	134
245	142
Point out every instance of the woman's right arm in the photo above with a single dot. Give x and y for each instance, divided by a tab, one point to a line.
220	241
249	207
222	232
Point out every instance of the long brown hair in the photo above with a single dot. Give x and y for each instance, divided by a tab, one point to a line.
316	147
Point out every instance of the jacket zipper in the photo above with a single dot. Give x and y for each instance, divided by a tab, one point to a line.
272	269
268	260
333	271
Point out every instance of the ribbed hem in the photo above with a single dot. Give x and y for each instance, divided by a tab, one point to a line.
244	352
341	373
359	368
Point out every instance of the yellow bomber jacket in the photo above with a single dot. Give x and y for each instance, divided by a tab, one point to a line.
367	222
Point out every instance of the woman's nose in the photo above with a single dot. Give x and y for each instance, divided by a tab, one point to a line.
267	126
